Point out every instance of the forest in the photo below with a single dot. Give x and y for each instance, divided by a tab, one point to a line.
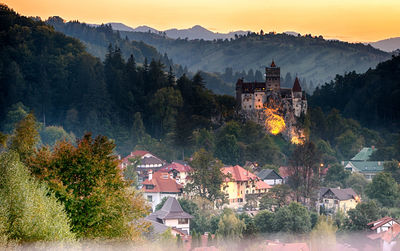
144	105
65	115
311	57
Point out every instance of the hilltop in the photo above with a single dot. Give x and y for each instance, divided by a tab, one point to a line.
314	58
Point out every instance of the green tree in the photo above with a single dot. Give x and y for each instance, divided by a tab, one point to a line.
230	227
227	149
264	221
130	172
28	210
358	182
86	178
165	104
348	144
384	189
15	114
51	134
393	167
206	176
323	236
359	217
336	175
250	225
294	218
25	137
277	196
304	170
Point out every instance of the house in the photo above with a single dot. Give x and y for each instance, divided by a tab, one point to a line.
158	186
270	176
178	171
361	163
335	199
148	162
242	183
367	168
387	240
382	224
364	154
173	216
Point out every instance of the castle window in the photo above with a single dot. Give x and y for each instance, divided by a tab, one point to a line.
258	100
250	106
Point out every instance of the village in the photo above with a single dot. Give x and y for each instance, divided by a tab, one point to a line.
245	190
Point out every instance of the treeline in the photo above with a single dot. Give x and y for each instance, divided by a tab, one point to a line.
314	58
371	98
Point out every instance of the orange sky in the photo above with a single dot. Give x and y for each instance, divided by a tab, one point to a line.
349	20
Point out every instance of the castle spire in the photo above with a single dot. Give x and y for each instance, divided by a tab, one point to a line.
296	85
273	63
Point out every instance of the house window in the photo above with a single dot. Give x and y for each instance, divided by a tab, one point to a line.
336	202
150	198
183	221
149	186
239	200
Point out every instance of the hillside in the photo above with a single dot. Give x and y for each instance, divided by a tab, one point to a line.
53	76
388	45
373	98
313	58
97	39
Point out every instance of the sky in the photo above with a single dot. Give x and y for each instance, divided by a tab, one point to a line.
347	20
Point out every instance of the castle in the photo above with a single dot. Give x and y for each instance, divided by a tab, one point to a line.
258	101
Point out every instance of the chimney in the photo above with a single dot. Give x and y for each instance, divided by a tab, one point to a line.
150	174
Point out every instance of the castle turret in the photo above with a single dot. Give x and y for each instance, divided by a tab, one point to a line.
273	77
239	87
297	92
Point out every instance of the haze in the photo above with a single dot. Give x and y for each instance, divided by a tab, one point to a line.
348	20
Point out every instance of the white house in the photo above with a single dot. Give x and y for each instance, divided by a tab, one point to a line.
158	186
173	216
270	177
383	224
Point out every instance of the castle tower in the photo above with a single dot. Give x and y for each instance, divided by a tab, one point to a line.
273	77
297	92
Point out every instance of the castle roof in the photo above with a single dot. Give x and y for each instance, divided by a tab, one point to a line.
273	64
296	86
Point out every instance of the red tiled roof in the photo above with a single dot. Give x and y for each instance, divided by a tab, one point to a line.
136	153
296	86
176	166
388	235
262	185
238	173
380	222
162	182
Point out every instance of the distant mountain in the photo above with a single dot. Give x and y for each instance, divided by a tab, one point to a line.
97	38
196	32
199	32
143	28
388	45
121	27
293	33
313	58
